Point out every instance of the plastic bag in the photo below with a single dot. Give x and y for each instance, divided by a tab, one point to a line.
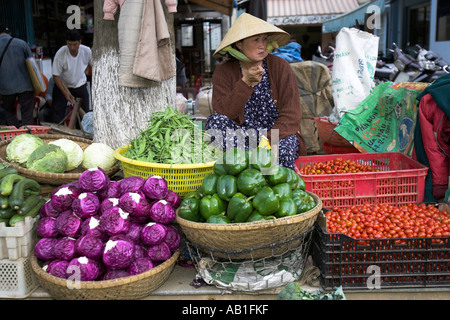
180	103
88	122
353	69
384	121
203	101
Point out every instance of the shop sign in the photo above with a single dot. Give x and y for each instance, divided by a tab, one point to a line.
308	19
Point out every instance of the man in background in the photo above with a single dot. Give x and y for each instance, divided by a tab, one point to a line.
15	81
69	66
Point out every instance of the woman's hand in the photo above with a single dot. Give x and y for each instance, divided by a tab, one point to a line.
252	75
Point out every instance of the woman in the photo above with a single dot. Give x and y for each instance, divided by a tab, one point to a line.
255	93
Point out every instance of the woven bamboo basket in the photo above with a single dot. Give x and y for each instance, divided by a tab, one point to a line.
53	178
127	288
325	129
250	240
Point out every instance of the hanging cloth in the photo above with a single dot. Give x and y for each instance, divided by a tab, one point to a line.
155	59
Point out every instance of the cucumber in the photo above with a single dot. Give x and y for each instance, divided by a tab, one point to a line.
6	221
28	203
4	202
7	183
15	218
35	210
18	193
5	171
7	213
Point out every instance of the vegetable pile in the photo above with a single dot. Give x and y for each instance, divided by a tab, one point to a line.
171	138
247	187
388	221
336	166
293	291
58	156
19	197
107	229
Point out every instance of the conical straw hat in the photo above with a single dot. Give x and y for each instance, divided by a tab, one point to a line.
247	26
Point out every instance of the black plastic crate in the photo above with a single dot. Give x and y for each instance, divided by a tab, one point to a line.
380	263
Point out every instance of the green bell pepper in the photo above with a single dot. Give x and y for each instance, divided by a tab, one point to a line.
211	205
266	201
219	219
209	183
287	208
277	174
283	190
300	184
226	187
303	201
255	216
235	161
250	181
193	194
261	158
292	179
219	169
190	209
240	207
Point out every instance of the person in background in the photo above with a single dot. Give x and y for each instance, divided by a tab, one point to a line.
69	66
15	81
181	70
256	90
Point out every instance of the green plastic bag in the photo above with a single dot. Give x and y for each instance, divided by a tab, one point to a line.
385	120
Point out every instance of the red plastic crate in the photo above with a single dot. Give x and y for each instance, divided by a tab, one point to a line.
10	132
399	181
36	129
380	263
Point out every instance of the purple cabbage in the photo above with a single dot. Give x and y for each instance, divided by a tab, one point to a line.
90	246
108	203
162	212
173	199
139	251
47	210
153	233
155	187
131	184
172	238
135	204
118	253
115	221
93	179
159	252
44	249
68	224
65	249
46	228
86	205
140	265
57	268
88	269
91	225
112	274
62	197
111	191
134	232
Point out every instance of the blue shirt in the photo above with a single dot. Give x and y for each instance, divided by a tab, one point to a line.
14	76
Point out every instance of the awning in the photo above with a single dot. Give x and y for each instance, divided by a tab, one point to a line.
348	19
222	6
293	12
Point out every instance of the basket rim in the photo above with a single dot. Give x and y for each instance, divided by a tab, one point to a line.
119	151
74	176
244	226
103	284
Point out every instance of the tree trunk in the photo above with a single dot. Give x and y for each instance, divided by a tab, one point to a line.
120	113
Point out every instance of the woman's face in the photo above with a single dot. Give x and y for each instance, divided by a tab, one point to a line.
255	48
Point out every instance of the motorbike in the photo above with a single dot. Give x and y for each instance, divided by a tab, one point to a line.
326	57
421	66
